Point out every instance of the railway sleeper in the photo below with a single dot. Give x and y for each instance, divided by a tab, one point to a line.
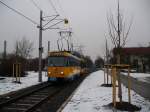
18	106
39	95
27	101
34	98
21	105
13	109
42	93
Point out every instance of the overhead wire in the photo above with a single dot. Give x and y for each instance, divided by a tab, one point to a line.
50	20
29	19
37	6
54	8
64	14
33	2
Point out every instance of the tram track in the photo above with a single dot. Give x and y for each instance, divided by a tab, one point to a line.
30	100
56	103
44	97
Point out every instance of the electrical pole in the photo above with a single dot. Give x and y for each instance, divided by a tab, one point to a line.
72	46
40	48
5	46
43	27
48	46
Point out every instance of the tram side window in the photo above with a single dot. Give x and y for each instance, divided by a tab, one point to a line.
73	62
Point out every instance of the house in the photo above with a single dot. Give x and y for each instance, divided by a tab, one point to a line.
137	57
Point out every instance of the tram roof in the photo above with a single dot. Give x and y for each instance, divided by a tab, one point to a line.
63	53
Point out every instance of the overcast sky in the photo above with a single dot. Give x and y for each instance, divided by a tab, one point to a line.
87	19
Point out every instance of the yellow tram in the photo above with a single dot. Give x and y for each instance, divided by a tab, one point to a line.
63	65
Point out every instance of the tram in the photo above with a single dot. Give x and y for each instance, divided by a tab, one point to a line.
63	65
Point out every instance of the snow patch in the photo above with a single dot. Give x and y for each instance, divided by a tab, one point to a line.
7	85
91	97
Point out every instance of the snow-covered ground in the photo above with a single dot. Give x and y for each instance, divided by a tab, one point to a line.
138	75
88	97
91	97
7	85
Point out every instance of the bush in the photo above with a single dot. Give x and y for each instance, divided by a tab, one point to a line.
6	66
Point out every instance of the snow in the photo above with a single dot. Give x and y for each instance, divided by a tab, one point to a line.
144	77
91	97
7	85
138	75
88	97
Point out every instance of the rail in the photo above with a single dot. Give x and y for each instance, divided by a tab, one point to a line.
30	100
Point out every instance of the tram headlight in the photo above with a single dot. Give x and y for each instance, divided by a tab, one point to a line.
61	72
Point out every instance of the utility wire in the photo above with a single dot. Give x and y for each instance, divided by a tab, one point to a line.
50	20
19	13
37	6
33	2
64	14
53	6
53	25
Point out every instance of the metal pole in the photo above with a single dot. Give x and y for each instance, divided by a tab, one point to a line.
5	45
71	46
48	46
40	48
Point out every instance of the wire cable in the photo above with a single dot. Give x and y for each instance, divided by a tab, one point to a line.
64	14
53	25
50	20
37	6
29	19
53	6
33	2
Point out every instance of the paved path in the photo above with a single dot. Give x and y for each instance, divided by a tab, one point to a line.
139	86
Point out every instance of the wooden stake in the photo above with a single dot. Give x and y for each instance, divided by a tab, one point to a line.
104	76
114	86
129	86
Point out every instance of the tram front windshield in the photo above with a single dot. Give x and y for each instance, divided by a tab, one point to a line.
57	61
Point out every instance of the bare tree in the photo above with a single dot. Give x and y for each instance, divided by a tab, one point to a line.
23	48
118	32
